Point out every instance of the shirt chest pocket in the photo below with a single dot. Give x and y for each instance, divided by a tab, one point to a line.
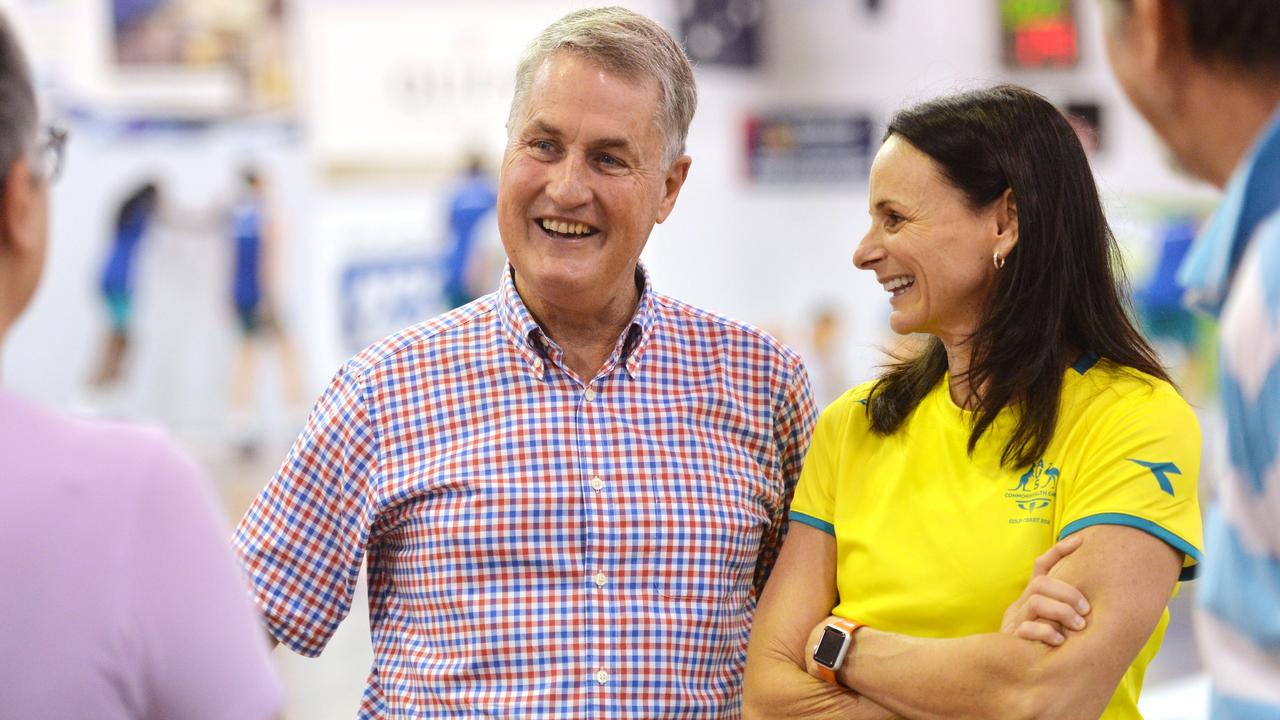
703	538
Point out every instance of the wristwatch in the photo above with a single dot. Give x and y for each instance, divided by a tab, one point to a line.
829	653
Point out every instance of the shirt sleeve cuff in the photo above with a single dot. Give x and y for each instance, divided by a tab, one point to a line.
1190	566
813	522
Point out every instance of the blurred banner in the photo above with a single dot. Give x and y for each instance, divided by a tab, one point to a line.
1039	33
409	86
237	43
722	32
809	146
167	60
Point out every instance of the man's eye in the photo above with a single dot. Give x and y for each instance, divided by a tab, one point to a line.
543	147
892	220
609	161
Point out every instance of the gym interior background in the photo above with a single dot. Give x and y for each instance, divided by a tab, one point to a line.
362	121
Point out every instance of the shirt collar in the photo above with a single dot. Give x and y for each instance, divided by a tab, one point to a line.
634	340
1252	193
536	348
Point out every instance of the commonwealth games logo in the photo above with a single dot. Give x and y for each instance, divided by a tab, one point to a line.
1036	489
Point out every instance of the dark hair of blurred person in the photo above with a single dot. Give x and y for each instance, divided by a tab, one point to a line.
121	598
1059	294
1206	76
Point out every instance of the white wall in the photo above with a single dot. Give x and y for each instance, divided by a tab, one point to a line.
769	255
764	254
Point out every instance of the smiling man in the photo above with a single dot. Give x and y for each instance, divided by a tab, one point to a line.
569	492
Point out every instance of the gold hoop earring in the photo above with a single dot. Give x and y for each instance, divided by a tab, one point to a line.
997	260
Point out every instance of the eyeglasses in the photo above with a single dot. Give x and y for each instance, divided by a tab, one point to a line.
47	155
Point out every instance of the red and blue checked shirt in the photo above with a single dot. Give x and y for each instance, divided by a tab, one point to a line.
537	545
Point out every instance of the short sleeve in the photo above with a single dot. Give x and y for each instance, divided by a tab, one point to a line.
814	502
205	655
303	539
793	429
1140	469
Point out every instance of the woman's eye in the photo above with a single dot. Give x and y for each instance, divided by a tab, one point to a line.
892	220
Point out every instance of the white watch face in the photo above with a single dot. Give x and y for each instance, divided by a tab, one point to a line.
831	648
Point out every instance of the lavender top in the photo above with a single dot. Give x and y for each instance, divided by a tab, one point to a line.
119	595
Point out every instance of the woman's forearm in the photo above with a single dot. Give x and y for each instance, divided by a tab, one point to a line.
1128	576
778	686
979	676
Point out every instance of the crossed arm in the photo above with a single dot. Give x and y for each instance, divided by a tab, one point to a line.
1127	575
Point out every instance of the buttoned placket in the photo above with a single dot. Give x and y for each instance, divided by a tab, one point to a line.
599	499
592	468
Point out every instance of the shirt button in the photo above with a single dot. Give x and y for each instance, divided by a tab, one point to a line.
590	395
597	483
600	579
602	676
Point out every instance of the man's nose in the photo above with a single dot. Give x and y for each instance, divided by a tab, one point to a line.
570	182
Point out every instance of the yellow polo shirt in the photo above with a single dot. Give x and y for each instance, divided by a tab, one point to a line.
933	542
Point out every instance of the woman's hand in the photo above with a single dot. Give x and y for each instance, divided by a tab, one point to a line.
1048	607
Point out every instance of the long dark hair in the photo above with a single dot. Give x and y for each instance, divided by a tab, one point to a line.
1060	290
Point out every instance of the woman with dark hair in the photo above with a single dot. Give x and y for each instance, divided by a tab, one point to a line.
1036	414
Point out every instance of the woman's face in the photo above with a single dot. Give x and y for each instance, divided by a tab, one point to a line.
930	251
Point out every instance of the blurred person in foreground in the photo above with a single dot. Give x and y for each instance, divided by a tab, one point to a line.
118	593
568	492
1206	75
1035	415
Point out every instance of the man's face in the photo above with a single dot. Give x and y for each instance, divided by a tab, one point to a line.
25	204
1124	54
1151	73
583	181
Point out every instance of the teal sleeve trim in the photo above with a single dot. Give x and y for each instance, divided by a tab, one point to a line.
1189	572
814	522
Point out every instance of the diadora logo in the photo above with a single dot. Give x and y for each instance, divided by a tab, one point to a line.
1036	490
1162	471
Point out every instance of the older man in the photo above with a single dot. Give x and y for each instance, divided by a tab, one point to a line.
1206	75
568	492
119	596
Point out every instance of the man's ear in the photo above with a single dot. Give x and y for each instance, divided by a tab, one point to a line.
1161	36
676	176
18	198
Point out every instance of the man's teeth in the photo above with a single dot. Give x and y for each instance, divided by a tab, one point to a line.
901	283
566	228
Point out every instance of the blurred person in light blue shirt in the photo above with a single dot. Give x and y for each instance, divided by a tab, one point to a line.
1206	75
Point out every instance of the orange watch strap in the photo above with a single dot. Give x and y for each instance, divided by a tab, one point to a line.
851	627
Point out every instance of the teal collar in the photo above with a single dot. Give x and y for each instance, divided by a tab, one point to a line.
1252	195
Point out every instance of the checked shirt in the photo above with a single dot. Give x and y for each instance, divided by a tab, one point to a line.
539	545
